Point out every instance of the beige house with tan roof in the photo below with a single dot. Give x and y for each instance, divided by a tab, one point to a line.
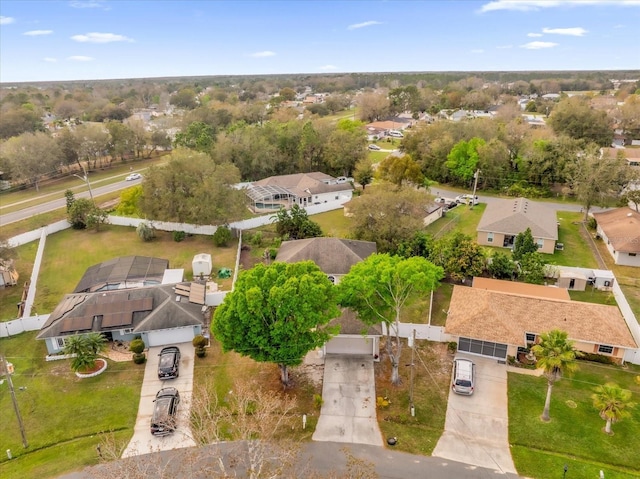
496	323
620	230
504	220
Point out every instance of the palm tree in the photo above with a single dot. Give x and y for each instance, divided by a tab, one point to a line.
86	348
612	401
555	355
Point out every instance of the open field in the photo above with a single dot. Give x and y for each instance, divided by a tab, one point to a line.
574	435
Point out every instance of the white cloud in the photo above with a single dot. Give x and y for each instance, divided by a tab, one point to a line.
264	54
87	4
538	45
6	20
355	26
477	50
80	58
50	59
328	67
574	31
527	5
95	37
534	34
35	33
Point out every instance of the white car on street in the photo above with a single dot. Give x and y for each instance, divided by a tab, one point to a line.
133	176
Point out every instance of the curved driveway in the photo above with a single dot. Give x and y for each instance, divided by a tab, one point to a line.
143	442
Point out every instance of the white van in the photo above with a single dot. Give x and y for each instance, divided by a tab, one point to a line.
463	380
395	134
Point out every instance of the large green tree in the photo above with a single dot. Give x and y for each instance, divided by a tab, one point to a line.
85	348
613	402
197	136
524	243
277	314
192	188
463	159
30	156
459	255
575	118
387	216
594	178
295	224
556	356
399	170
381	287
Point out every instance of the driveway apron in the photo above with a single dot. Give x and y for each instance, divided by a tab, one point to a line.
348	411
143	442
476	428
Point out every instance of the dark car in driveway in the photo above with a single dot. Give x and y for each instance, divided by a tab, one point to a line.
164	421
169	363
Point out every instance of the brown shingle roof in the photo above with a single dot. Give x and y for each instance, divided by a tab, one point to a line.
521	289
505	318
332	255
515	216
298	183
622	227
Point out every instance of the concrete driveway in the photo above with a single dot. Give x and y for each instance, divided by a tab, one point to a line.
476	429
348	412
143	442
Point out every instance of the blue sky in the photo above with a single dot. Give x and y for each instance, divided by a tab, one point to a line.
93	39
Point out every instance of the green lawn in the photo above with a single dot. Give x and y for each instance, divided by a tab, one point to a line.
592	295
334	223
576	250
461	218
63	415
574	435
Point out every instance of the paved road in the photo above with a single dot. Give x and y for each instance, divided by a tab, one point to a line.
60	201
325	458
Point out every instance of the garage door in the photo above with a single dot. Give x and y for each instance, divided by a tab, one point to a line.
170	336
482	348
349	345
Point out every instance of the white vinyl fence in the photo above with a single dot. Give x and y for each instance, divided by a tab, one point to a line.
17	326
423	331
631	355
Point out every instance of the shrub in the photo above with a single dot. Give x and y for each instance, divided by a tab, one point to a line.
145	231
273	252
137	346
222	236
318	401
382	402
199	341
452	346
596	358
179	236
139	358
592	223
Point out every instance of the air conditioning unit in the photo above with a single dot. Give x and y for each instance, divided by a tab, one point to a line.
607	283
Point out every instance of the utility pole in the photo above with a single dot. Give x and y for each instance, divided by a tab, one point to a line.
15	402
475	186
412	408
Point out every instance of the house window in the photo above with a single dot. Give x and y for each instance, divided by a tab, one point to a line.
530	337
127	331
540	243
632	254
489	237
60	342
604	349
332	279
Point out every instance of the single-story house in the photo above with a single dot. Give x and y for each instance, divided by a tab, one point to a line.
504	220
496	323
303	189
630	155
620	230
157	314
335	257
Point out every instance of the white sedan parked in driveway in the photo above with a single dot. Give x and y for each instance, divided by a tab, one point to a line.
133	176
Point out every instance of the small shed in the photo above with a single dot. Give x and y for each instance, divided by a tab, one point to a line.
574	280
201	264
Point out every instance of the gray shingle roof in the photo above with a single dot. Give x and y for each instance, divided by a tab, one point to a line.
166	312
515	216
332	255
